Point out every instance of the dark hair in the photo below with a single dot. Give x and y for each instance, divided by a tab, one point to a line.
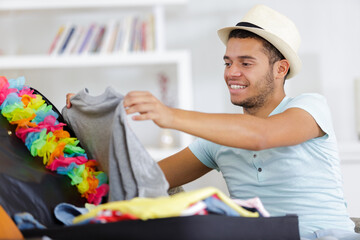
272	52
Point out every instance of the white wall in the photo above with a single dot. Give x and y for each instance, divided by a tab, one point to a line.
330	33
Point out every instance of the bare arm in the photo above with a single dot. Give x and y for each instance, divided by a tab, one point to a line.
182	167
291	127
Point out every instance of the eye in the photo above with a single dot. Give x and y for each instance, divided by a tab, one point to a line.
227	64
245	64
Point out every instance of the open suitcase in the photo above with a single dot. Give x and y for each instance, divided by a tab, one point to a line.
26	186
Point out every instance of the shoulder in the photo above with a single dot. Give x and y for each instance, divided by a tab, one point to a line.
313	103
205	151
316	105
311	99
314	96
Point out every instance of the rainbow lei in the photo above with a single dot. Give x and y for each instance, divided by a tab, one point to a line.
44	136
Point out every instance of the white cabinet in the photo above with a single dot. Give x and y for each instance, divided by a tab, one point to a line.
29	26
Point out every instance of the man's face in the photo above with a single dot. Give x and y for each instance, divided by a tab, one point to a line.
248	73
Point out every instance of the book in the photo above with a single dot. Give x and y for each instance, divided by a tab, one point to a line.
61	39
134	35
56	39
112	41
108	38
119	39
150	33
91	40
87	37
79	40
98	39
127	31
74	42
144	26
67	39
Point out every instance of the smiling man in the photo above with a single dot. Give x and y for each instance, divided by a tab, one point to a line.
281	149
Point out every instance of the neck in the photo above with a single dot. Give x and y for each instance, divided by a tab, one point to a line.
267	108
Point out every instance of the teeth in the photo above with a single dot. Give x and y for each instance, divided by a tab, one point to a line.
237	87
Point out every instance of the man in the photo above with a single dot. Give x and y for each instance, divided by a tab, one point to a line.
281	149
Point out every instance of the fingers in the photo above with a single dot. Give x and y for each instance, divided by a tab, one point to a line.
140	108
149	107
68	96
138	97
141	102
143	116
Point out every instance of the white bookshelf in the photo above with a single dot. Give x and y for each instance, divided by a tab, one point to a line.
30	5
39	63
75	61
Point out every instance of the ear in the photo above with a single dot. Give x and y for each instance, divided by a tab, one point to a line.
281	68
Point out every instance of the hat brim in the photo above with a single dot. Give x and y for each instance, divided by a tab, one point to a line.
282	46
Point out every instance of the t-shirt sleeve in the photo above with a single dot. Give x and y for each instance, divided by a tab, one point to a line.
204	150
316	105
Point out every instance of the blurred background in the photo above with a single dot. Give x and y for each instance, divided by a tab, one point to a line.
185	65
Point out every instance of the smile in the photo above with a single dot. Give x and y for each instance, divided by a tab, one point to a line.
237	86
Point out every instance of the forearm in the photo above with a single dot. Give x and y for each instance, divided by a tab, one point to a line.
234	130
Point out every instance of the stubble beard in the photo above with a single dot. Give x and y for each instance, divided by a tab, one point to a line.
265	89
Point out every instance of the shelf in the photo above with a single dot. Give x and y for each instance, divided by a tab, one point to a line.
16	5
41	64
181	58
70	61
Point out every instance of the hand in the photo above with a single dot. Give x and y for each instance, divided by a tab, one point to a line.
149	107
68	96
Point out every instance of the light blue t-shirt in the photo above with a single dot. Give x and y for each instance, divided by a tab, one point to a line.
303	179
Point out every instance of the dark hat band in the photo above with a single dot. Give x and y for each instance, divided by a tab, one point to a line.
247	24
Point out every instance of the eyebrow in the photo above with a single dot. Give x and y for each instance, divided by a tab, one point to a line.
240	57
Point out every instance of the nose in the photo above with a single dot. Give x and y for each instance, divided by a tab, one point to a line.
233	71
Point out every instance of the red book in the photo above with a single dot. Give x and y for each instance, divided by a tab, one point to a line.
98	40
56	39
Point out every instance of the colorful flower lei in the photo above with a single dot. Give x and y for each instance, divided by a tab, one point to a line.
44	136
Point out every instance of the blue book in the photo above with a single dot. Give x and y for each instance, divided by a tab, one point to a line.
67	39
87	38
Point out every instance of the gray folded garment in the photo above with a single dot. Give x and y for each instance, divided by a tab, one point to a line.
100	124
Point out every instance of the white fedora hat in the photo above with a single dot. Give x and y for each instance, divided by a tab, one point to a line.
276	28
